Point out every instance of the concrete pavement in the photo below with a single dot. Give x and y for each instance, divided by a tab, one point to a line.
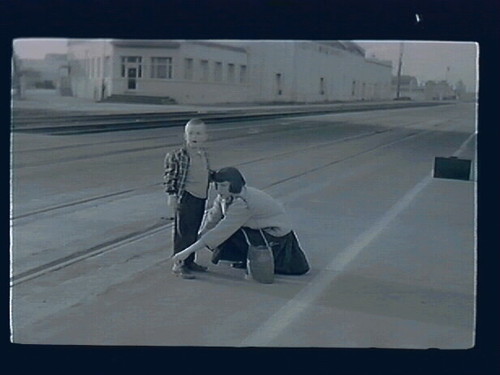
376	278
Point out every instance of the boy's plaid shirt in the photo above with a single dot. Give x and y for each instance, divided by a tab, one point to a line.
176	169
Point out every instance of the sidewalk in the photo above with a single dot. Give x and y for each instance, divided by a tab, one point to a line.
50	100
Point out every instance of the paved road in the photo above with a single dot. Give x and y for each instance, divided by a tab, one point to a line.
391	249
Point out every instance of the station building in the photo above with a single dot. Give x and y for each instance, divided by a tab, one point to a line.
218	72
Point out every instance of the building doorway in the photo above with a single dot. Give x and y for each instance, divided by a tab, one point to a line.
131	70
131	78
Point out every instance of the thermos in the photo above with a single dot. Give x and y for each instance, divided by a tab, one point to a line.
260	261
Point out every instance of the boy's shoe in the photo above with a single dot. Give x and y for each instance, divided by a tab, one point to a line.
184	273
196	267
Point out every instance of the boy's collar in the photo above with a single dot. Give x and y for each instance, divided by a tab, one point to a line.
194	150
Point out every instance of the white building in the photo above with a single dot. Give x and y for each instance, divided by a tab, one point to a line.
208	72
408	88
439	90
314	72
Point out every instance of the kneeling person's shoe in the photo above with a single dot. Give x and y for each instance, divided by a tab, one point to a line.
196	267
183	272
216	255
240	265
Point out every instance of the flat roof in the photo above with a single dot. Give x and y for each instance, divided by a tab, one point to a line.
136	43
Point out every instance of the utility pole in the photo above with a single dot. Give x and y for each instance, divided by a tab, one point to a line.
401	48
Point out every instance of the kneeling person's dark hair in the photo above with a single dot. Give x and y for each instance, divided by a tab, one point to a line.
233	176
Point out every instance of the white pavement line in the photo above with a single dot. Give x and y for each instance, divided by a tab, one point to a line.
291	310
464	145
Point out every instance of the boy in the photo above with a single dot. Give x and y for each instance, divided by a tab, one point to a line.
186	181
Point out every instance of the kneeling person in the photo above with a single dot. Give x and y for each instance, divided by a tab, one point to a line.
239	208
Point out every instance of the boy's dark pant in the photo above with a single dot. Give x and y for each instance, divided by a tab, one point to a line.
188	219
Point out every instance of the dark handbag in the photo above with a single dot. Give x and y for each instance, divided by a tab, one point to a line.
260	261
289	259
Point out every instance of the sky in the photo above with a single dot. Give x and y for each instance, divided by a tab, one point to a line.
38	48
429	60
423	60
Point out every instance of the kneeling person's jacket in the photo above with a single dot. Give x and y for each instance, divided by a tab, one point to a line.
251	208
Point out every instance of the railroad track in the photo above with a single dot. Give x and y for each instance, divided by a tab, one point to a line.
81	124
166	224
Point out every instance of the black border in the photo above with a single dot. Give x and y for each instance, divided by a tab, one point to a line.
446	20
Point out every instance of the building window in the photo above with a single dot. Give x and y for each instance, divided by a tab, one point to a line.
188	69
131	62
204	70
230	72
243	74
353	89
161	67
107	66
218	71
277	83
322	86
98	67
